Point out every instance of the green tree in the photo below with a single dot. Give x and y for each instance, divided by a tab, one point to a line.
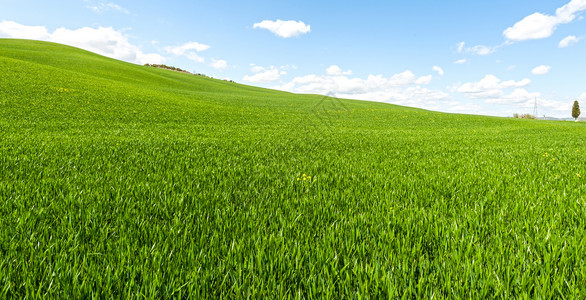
576	110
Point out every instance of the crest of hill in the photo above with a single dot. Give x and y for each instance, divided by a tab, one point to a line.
65	83
172	68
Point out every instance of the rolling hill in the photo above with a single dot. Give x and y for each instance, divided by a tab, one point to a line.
119	180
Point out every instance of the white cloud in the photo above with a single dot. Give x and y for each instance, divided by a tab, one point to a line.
461	46
219	64
264	75
515	84
364	89
9	29
402	88
541	70
489	87
401	79
517	96
149	58
532	27
478	49
439	70
288	67
103	6
464	107
423	80
481	50
257	69
492	90
284	29
582	97
189	50
540	26
461	61
181	50
567	41
525	101
194	57
335	70
102	40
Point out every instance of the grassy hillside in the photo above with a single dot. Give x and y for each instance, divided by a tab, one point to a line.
121	180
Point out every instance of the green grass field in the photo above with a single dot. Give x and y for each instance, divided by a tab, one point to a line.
125	181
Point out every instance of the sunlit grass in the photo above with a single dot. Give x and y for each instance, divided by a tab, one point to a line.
119	180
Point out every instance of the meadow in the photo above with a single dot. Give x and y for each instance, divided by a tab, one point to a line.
127	181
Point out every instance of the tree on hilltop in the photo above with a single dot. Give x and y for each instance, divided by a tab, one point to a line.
576	110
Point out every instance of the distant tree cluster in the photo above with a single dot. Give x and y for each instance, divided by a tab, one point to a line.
167	68
202	75
524	116
180	70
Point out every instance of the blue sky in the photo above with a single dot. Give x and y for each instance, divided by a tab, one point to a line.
476	57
